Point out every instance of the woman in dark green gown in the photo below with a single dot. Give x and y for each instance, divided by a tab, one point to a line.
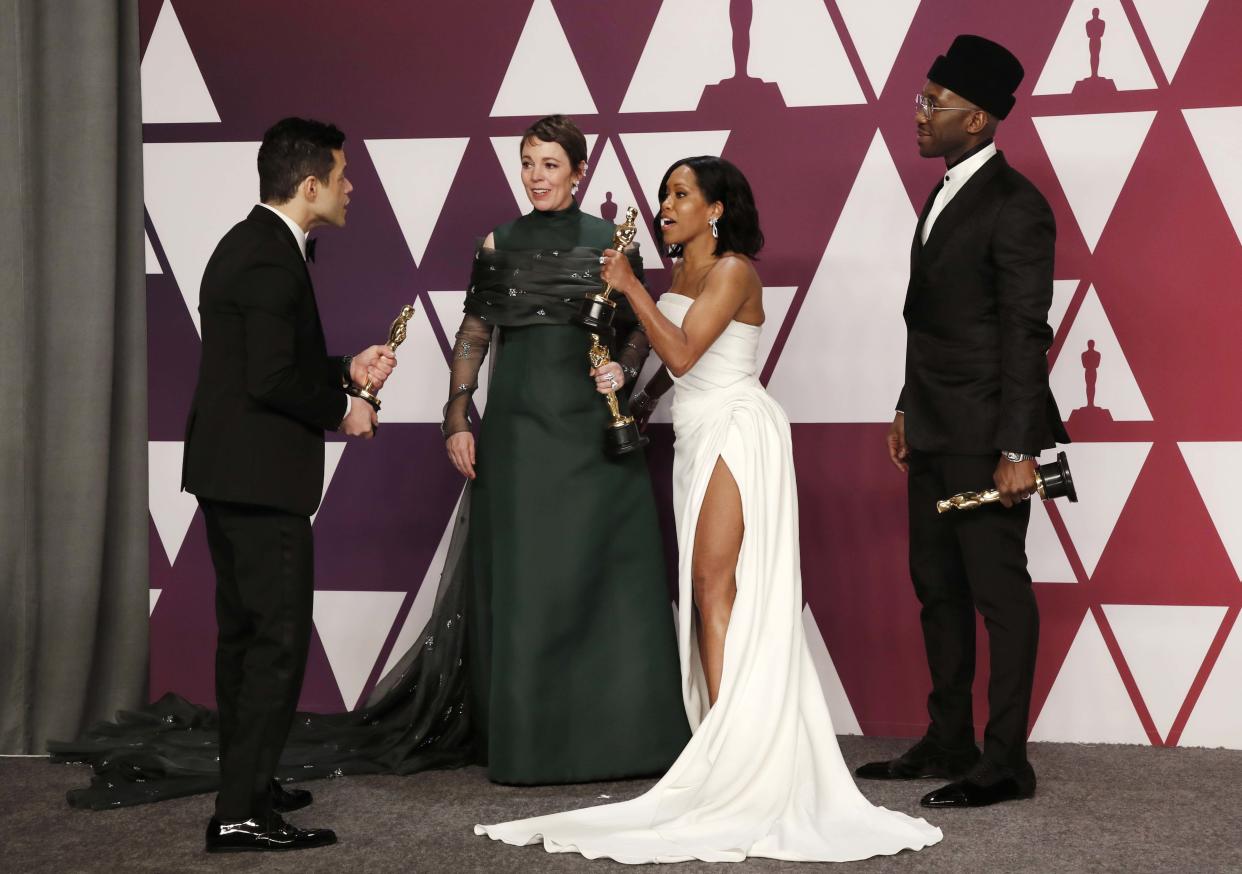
571	646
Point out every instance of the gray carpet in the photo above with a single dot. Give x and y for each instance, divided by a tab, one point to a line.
1099	808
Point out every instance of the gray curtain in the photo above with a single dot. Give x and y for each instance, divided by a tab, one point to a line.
73	411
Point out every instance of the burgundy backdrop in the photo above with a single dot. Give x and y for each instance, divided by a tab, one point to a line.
1137	584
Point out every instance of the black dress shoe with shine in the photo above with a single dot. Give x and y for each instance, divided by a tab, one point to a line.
287	800
923	761
968	793
269	834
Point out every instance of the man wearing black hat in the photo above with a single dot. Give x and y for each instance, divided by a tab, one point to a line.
975	409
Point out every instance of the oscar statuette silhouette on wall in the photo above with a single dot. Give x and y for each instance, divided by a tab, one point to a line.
1090	416
741	88
1095	85
608	209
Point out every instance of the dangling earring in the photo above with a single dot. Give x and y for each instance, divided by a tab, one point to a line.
715	231
573	189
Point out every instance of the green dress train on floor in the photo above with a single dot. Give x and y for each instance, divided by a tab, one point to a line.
571	643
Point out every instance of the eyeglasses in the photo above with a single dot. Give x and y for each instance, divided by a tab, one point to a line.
925	106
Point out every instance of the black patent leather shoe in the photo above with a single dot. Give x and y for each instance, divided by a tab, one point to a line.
968	793
923	761
272	834
287	800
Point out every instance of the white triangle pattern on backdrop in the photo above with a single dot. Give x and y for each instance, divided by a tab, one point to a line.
352	627
1088	702
845	370
1106	472
173	90
333	450
878	31
1216	720
795	44
1217	132
543	76
417	175
1046	559
234	190
1164	647
1170	26
1092	156
689	48
843	719
1217	471
172	509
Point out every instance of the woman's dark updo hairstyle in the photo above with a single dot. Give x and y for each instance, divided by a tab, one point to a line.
721	182
559	129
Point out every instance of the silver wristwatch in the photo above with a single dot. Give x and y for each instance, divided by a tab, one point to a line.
1015	457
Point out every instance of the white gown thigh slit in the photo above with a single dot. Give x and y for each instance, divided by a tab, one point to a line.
763	774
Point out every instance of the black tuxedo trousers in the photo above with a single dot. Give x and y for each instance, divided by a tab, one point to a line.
960	561
264	563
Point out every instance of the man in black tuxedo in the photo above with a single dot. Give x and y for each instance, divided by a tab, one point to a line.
254	457
975	408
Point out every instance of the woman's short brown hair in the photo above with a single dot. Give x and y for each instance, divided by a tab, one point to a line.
559	129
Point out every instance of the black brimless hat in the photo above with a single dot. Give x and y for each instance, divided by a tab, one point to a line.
984	72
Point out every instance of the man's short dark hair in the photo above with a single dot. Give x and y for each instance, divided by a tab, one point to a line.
292	149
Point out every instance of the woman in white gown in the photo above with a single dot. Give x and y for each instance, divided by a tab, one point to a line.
762	775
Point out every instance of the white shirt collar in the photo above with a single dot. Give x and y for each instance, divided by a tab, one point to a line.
957	175
298	233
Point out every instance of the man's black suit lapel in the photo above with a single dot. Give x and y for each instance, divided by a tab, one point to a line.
265	216
916	245
281	230
962	205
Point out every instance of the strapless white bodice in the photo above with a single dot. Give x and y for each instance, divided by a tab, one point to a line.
731	359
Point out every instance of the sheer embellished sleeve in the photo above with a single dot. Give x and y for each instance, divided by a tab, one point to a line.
633	353
635	346
473	338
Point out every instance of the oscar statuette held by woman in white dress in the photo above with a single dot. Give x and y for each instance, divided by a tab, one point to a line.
762	775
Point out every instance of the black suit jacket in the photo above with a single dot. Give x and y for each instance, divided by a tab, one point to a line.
267	389
977	321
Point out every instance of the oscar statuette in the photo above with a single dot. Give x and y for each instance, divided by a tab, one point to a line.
396	336
1052	480
621	435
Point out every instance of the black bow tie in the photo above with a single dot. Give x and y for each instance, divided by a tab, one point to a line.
310	249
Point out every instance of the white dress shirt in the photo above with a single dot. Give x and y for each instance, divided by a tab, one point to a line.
954	178
300	236
298	233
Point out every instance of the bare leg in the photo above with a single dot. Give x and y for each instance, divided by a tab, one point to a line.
713	569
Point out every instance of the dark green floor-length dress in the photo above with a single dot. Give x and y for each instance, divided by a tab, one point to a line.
573	651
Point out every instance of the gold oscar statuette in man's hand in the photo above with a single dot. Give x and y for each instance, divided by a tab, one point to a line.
396	336
1052	480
